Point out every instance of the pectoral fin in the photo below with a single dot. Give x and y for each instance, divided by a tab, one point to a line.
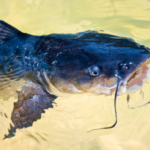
30	105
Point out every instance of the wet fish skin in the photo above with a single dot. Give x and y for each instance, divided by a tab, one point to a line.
66	61
15	49
67	58
78	52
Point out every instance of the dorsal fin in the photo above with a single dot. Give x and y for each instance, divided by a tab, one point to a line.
7	31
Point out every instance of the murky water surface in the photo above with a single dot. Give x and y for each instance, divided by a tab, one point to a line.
65	127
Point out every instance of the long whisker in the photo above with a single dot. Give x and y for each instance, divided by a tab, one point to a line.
115	101
128	98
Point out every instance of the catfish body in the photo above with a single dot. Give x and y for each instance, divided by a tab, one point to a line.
68	63
14	49
66	59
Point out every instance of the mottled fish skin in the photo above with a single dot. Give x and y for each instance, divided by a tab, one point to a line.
73	55
67	58
71	63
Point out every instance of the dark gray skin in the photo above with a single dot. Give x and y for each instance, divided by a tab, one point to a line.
71	63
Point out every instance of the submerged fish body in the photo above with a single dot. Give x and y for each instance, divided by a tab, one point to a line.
72	63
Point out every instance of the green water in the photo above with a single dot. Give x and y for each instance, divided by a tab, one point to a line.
65	127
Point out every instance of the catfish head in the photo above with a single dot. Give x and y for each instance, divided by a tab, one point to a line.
95	62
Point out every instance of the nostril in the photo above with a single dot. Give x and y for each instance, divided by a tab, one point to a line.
123	66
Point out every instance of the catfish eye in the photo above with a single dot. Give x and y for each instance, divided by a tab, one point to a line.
94	71
123	66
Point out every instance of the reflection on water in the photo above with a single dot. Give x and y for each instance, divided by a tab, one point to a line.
66	125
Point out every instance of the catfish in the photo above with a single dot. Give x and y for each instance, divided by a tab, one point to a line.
60	64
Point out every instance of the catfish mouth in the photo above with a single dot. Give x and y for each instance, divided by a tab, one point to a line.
135	80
